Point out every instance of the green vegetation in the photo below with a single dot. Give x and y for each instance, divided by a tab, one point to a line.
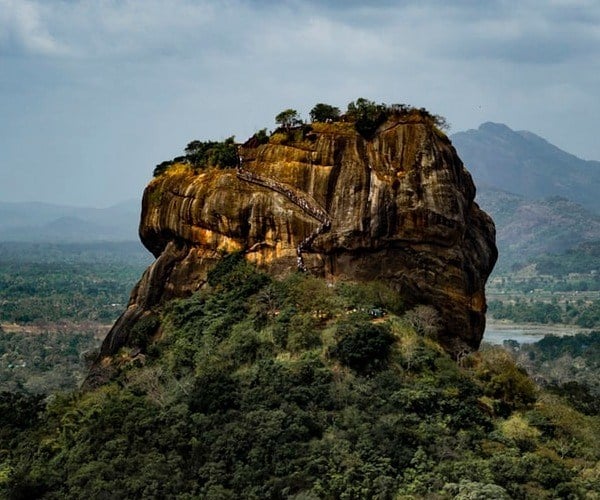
258	138
288	118
580	313
109	253
583	259
362	346
204	154
368	115
551	288
56	302
324	113
287	389
42	292
528	229
47	283
565	297
212	154
45	362
568	366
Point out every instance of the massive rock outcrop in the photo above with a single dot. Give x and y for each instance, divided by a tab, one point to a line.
397	207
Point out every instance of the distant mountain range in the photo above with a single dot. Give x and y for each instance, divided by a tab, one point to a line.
542	199
523	163
43	222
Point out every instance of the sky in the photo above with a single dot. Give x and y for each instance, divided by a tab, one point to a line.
95	93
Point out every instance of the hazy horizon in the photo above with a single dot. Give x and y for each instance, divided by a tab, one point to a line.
94	94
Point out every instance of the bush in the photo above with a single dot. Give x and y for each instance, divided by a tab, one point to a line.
260	137
324	112
363	346
367	116
162	167
504	381
143	330
202	154
19	411
370	296
233	273
212	393
302	333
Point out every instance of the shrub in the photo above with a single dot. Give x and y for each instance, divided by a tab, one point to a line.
425	320
202	154
370	296
288	118
261	137
213	392
162	167
504	381
367	116
363	346
324	112
143	330
235	274
19	411
302	333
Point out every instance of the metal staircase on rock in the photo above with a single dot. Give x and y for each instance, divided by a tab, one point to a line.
299	198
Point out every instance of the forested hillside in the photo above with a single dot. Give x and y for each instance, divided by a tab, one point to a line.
569	366
542	199
260	388
526	229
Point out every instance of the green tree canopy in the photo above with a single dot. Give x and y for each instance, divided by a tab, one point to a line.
367	115
324	112
288	118
212	153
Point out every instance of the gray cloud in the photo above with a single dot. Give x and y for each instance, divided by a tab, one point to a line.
108	89
22	29
521	33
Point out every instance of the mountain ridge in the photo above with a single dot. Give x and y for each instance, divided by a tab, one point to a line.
48	222
528	228
543	199
524	163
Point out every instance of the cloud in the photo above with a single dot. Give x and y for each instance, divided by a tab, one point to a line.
529	35
496	31
22	28
107	83
349	31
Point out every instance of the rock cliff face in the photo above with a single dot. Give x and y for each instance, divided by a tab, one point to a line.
397	207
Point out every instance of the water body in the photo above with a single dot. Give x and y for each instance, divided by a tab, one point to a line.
525	333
